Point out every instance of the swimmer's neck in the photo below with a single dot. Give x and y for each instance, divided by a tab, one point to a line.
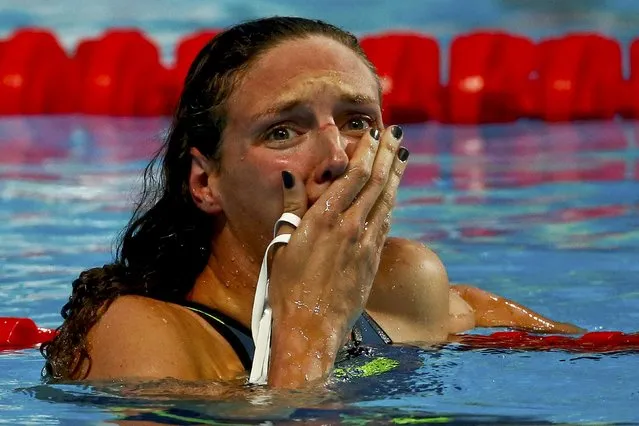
228	281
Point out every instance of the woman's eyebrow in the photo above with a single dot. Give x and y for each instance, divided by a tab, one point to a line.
358	99
287	106
278	109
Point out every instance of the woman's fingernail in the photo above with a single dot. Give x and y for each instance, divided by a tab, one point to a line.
288	179
375	133
402	154
397	132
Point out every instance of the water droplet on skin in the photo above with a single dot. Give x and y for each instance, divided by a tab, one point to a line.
328	205
304	335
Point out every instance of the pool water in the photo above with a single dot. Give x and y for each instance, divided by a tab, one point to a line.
544	214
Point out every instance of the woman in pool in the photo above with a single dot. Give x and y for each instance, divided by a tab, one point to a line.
277	115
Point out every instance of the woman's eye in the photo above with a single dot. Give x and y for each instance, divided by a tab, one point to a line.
358	123
281	134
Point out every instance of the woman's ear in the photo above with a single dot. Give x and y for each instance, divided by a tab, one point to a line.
203	183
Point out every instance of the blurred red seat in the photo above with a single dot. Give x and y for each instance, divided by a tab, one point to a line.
120	74
33	74
489	78
408	65
579	77
630	89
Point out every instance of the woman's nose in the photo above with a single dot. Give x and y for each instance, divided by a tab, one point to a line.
334	155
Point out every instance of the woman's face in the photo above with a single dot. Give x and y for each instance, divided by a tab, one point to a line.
301	107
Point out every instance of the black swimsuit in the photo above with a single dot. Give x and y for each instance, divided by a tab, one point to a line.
365	332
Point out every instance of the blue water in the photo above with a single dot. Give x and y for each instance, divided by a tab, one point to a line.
545	214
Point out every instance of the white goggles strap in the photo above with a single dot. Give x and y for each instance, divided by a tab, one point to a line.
262	316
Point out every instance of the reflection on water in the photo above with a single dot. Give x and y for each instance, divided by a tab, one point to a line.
185	412
533	184
77	140
376	399
521	154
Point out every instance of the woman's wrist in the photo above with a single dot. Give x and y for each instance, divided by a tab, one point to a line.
303	348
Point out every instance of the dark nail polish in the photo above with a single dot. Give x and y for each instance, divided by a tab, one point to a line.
375	133
397	132
288	179
402	154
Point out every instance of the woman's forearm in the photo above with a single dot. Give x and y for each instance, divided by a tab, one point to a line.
492	310
303	351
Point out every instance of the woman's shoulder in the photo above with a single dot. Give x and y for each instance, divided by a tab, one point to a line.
142	337
136	304
138	337
410	294
139	313
412	255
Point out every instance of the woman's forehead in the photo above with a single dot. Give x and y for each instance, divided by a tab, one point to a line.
302	68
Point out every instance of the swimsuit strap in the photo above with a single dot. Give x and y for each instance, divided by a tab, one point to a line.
238	336
262	315
367	331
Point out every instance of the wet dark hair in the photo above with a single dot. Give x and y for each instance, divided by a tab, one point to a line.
167	242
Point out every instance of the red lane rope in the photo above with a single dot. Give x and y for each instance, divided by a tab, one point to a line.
23	333
594	342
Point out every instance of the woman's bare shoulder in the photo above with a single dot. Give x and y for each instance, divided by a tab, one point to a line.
138	337
411	291
412	261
